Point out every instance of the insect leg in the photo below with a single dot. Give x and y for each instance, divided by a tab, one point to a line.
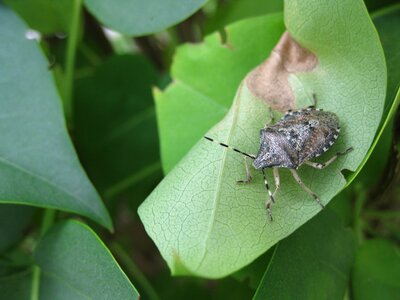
314	105
314	99
229	147
271	116
271	199
324	165
248	173
277	180
305	188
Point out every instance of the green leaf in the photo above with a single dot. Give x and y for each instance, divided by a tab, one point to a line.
136	17
387	22
38	164
202	221
198	98
13	221
376	271
75	264
115	125
46	16
234	10
313	263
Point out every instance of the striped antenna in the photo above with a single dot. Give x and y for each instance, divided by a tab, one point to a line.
229	147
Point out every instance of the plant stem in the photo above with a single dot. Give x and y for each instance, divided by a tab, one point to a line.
47	221
70	59
134	271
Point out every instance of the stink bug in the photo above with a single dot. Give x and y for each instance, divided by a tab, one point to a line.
298	137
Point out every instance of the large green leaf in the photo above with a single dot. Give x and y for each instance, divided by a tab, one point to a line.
202	221
377	271
13	220
136	17
115	124
38	165
313	263
75	264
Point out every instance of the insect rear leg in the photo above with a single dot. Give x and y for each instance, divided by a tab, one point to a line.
249	178
277	181
271	199
305	188
324	165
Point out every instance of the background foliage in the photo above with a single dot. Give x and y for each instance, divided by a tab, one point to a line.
91	120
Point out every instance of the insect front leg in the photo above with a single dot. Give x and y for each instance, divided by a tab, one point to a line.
271	116
324	165
271	199
305	188
314	99
277	181
249	177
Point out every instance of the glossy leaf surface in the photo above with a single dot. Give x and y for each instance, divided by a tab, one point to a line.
136	17
38	163
75	264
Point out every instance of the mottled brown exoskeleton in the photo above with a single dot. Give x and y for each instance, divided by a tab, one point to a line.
298	137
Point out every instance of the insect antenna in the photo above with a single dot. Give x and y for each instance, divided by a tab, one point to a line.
229	147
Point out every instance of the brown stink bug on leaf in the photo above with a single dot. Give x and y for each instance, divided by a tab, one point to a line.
298	137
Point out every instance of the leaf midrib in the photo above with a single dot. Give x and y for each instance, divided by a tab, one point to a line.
220	176
66	283
45	181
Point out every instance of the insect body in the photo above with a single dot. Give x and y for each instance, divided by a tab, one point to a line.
298	137
294	140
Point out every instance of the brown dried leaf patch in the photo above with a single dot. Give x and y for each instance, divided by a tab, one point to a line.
269	81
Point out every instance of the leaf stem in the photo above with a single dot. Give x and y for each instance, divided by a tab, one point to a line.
134	271
70	59
47	222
